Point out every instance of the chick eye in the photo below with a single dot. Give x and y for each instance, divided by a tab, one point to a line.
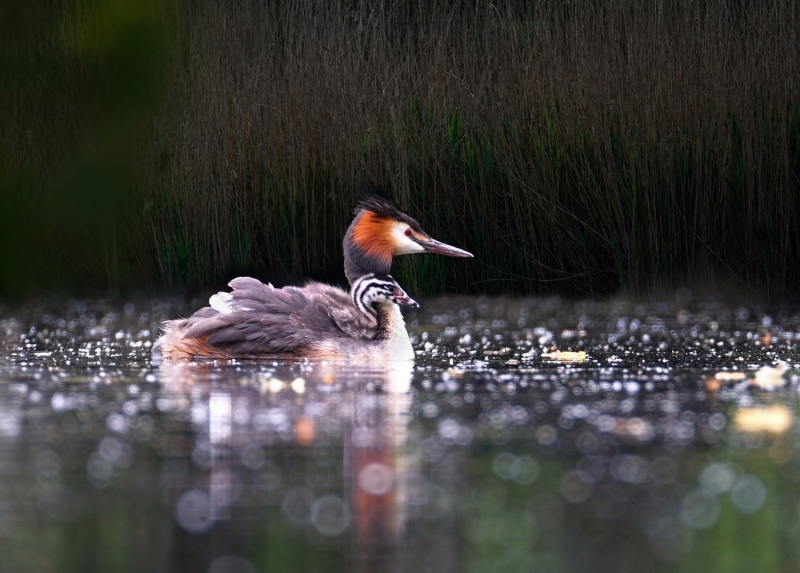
408	232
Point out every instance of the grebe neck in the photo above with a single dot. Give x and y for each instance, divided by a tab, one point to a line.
366	248
391	325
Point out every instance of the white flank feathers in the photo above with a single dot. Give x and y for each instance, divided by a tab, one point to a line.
221	302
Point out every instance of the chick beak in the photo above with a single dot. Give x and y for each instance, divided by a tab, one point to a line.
436	247
406	300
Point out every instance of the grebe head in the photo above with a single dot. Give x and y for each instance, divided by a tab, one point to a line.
376	288
381	231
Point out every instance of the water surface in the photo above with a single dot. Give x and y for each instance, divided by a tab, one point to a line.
669	445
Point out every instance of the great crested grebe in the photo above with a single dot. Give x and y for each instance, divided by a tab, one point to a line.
315	321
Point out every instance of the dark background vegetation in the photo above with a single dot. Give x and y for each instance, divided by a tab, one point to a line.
574	147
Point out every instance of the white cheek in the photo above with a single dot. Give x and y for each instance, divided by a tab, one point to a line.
403	244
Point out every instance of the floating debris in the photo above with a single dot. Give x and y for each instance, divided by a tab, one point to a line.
775	419
766	378
730	376
770	378
714	383
565	356
500	352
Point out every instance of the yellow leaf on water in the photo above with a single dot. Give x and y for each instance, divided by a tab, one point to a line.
565	356
730	376
776	419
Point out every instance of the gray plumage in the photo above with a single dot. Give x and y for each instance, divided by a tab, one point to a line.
261	320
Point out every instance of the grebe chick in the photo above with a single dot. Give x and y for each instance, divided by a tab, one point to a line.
257	320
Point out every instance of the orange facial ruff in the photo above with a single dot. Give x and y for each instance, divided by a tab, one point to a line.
372	234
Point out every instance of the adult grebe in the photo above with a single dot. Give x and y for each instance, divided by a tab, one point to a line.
258	320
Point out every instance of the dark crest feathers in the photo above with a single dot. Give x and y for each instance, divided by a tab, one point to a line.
382	207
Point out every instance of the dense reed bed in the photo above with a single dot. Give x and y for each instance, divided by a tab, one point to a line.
574	147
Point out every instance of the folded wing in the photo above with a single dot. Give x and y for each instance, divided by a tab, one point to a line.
258	319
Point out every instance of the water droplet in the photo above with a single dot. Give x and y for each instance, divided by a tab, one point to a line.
376	478
330	515
748	494
700	509
194	513
717	478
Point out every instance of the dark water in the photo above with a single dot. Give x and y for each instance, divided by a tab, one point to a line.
669	447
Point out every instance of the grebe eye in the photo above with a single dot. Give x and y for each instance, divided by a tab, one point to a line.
408	232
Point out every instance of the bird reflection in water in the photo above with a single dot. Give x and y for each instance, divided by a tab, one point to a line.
290	412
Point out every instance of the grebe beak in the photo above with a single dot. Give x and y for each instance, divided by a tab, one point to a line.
406	300
434	246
